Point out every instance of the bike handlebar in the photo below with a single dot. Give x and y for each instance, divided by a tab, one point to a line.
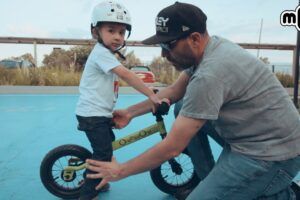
162	109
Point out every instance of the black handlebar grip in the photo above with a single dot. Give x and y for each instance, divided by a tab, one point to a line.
163	108
155	90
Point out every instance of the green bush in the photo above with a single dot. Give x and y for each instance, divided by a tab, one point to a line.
163	70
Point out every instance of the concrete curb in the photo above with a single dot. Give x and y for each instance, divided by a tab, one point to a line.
54	90
9	89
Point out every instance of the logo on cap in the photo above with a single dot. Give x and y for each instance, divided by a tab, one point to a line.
185	28
161	24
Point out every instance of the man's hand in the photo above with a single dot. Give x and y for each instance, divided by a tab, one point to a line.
108	171
121	118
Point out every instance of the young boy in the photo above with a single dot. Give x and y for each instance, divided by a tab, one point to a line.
99	85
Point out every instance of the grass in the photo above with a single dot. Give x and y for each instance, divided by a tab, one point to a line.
285	79
47	76
53	76
39	76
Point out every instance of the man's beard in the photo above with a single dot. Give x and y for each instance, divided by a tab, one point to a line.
182	68
182	64
183	61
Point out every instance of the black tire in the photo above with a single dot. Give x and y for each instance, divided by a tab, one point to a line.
169	182
52	166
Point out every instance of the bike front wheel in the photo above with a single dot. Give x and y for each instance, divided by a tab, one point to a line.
175	175
52	170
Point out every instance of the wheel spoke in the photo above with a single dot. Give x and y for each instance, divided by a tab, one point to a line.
174	179
57	173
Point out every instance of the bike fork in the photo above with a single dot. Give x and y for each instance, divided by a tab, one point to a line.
175	166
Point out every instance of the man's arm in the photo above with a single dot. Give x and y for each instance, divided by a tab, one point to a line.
174	92
181	133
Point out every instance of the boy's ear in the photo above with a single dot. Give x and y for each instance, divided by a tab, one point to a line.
94	33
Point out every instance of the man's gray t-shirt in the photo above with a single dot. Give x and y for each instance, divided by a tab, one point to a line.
246	103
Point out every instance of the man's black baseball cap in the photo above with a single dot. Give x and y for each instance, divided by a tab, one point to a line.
176	21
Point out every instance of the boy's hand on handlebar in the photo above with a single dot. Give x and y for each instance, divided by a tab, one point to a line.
121	118
167	101
155	102
163	108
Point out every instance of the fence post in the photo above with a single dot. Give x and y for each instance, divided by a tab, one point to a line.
35	53
296	69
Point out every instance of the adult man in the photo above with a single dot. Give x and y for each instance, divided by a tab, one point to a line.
222	83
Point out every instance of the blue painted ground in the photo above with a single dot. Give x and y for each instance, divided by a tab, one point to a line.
31	125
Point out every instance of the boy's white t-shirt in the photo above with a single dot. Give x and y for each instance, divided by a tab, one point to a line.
99	86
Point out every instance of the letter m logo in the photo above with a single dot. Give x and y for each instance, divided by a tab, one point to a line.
290	18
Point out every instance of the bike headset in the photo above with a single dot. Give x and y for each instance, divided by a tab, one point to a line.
110	11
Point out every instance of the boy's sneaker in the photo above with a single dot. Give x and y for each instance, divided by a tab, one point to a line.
105	188
93	195
182	195
296	189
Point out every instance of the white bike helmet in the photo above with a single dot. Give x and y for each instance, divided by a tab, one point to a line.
110	11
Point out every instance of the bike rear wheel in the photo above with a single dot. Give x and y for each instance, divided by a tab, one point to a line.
52	170
171	180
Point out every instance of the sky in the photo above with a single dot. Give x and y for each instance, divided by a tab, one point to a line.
236	20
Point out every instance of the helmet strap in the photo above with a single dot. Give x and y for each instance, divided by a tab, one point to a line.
120	55
117	51
128	34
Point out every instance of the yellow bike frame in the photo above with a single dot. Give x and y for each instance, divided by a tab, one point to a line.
117	144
